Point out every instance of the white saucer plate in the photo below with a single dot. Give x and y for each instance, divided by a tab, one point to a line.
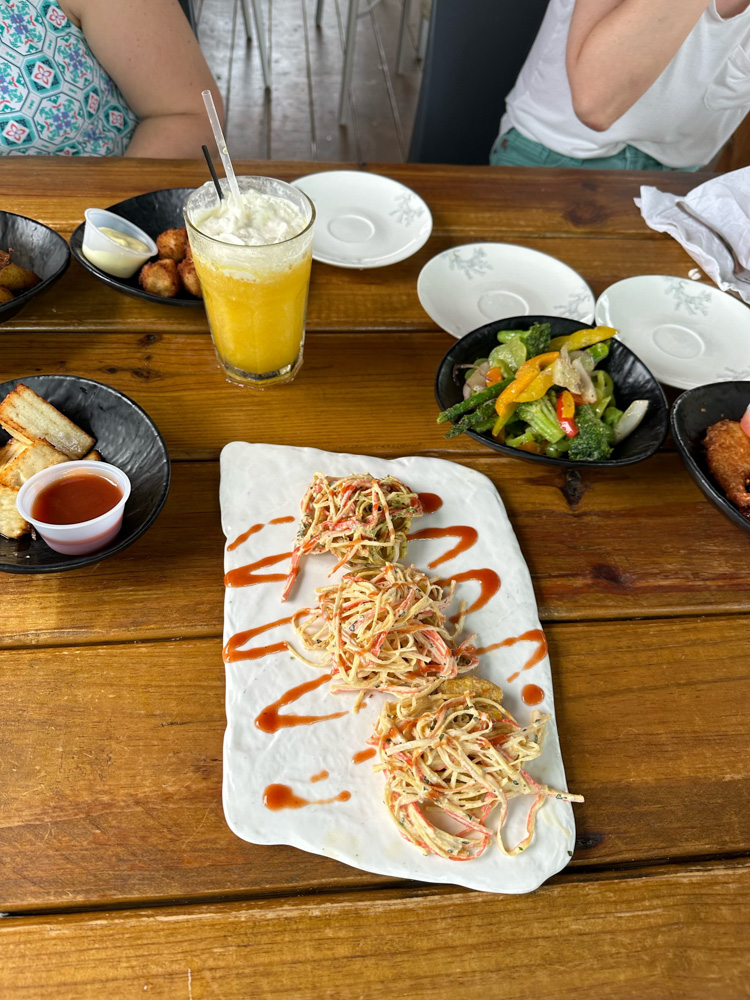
687	333
470	285
364	220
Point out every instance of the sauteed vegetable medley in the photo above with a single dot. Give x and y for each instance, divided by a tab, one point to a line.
546	395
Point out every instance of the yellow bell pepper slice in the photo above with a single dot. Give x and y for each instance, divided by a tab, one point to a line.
538	387
527	373
582	339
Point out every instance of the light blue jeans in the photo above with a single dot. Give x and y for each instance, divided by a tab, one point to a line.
514	150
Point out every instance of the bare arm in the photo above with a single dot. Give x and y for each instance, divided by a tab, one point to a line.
151	53
618	48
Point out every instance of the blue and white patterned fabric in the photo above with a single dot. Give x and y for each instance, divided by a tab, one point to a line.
54	95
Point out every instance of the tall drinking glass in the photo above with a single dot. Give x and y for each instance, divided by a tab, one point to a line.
255	274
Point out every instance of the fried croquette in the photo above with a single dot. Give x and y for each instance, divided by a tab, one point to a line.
172	244
160	277
4	258
5	295
728	455
190	278
17	278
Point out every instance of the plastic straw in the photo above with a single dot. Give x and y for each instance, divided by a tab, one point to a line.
211	167
222	144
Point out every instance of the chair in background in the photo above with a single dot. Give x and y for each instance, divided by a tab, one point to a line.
425	11
260	31
475	49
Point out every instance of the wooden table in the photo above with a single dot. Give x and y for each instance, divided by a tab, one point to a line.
118	874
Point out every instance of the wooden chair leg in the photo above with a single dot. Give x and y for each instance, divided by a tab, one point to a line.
260	35
346	76
318	13
403	37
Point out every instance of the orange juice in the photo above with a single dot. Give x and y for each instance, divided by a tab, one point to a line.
257	318
253	258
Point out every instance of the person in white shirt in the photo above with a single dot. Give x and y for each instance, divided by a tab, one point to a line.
631	84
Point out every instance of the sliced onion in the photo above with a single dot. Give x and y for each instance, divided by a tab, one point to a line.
477	380
585	358
629	420
587	391
565	375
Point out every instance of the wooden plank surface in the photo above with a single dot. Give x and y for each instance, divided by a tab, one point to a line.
111	763
483	201
660	936
340	299
634	562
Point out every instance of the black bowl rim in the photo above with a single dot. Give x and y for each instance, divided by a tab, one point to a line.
701	479
19	301
563	463
76	243
76	562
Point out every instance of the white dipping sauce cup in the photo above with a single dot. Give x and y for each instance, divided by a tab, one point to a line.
108	255
85	536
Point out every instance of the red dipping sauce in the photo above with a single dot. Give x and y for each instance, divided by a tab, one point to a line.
77	497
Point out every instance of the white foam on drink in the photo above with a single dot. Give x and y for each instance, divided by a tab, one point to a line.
258	219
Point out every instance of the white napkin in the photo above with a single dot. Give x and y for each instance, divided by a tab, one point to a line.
714	212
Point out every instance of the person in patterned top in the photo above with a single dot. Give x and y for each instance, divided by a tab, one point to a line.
101	78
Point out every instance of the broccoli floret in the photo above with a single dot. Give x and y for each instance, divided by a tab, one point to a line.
541	417
526	438
592	442
536	339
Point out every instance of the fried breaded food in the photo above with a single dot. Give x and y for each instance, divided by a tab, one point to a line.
17	278
172	244
5	295
4	258
160	277
728	455
12	525
28	418
40	455
190	278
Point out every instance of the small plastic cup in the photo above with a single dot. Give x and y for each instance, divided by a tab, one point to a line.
85	536
109	255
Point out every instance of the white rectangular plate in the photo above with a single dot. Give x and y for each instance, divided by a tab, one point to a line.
265	483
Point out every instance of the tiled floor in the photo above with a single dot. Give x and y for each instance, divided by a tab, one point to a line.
297	118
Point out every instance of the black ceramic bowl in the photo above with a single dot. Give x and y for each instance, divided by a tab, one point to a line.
692	414
631	378
153	213
126	437
36	247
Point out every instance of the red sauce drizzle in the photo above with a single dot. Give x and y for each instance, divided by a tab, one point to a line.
363	755
320	776
271	721
489	584
282	797
245	576
256	527
232	652
533	635
532	694
466	538
430	502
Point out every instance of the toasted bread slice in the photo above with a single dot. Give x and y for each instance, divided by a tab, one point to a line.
33	459
28	417
12	525
10	450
